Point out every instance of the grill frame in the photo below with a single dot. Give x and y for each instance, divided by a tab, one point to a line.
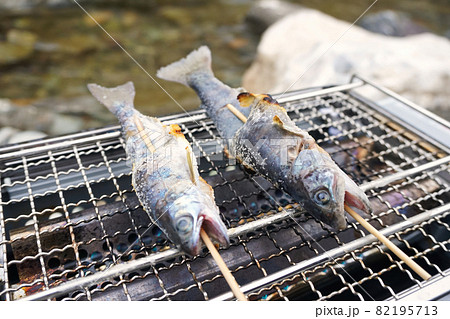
57	146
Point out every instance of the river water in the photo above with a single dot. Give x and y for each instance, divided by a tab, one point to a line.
70	50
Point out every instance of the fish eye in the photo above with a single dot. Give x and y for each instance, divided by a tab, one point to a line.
322	197
184	224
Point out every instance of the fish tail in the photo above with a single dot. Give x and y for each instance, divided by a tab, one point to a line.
117	99
197	61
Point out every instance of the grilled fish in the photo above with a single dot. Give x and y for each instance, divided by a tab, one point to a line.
164	173
270	143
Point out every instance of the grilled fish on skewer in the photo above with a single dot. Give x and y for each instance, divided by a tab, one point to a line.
303	169
270	143
164	174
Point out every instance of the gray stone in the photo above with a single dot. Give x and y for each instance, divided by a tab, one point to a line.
46	47
80	105
5	106
65	124
391	23
6	133
302	50
56	116
28	5
21	37
26	136
24	117
19	46
18	5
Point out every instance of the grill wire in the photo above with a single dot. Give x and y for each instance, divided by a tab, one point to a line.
68	211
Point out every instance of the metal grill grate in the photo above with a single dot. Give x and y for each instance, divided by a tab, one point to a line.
71	227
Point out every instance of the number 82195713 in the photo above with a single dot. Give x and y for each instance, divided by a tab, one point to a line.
406	310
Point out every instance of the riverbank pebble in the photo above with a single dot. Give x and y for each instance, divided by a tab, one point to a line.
52	116
25	136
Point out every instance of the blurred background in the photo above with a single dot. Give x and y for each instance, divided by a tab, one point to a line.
50	50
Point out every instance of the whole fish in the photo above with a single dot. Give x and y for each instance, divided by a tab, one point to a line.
164	173
270	143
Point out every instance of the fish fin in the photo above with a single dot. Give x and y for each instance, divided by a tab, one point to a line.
116	98
206	187
191	165
246	99
179	71
278	121
288	127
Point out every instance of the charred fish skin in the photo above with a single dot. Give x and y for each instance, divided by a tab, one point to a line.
195	71
179	203
271	144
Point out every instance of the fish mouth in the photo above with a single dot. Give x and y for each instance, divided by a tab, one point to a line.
355	198
336	219
213	227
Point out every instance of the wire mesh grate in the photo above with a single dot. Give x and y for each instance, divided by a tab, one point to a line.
68	212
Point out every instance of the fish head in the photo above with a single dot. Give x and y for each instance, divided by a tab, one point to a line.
328	188
189	214
323	187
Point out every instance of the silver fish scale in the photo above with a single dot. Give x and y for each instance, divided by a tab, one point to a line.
71	227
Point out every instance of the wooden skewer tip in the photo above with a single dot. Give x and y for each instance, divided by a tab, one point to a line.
384	240
223	267
236	112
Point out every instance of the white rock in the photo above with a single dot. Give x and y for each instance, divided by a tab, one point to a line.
304	49
5	106
65	124
26	136
6	133
264	13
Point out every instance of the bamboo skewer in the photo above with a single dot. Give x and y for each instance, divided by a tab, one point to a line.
190	164
146	139
223	267
236	112
400	254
